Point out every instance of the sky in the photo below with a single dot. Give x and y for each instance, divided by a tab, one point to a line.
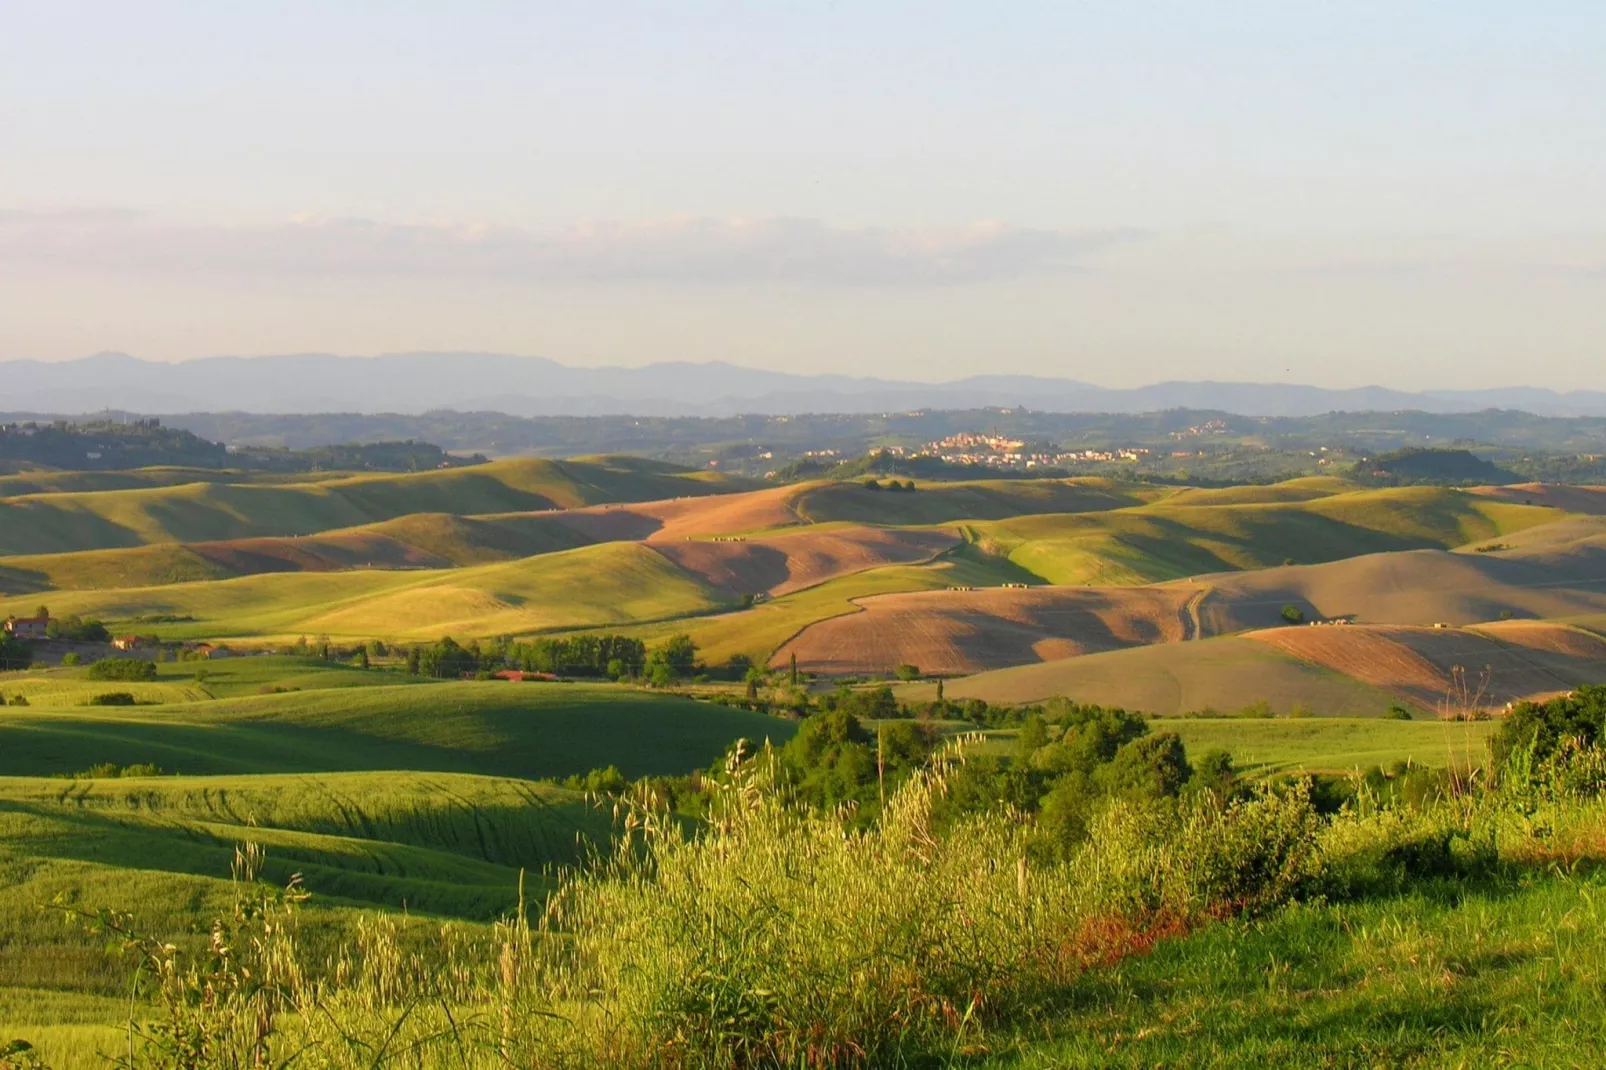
1405	193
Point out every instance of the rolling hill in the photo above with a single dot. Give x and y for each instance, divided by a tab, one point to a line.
953	632
1201	532
1419	587
497	728
1225	674
1453	669
591	587
1345	671
206	511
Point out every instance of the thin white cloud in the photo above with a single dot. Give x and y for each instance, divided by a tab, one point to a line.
690	250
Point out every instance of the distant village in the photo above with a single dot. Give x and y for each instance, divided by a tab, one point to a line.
1000	451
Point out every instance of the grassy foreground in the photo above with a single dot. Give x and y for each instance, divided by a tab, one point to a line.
1497	973
1217	932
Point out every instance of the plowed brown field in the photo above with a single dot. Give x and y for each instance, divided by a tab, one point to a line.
971	631
682	518
1420	587
779	564
327	553
1590	500
1448	668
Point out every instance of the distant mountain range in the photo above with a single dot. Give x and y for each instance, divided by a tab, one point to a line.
535	386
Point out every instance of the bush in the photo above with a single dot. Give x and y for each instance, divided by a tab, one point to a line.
70	660
130	669
14	653
1293	614
1536	731
112	698
112	771
77	629
906	673
732	950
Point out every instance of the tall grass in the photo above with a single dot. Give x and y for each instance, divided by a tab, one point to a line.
777	936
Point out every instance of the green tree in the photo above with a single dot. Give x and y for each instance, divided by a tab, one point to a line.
907	673
1153	767
1214	773
446	660
1292	614
1033	736
14	653
680	653
1541	729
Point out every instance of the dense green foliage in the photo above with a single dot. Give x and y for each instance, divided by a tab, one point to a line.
76	629
106	445
1538	731
14	653
1416	465
131	669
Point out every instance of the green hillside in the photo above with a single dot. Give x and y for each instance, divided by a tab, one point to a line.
418	540
940	502
1173	539
205	511
594	586
427	844
498	728
49	482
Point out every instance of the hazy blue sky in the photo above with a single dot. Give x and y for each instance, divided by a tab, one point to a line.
1330	192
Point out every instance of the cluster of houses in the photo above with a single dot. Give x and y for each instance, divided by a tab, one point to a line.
997	451
37	629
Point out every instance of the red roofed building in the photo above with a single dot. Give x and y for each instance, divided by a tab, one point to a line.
27	627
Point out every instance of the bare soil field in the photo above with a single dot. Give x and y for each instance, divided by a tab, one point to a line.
1418	587
1587	500
681	518
1450	668
779	564
972	631
1173	679
324	553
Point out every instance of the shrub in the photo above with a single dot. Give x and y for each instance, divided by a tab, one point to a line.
907	673
1537	731
1292	614
111	770
70	659
130	669
77	629
112	698
14	653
